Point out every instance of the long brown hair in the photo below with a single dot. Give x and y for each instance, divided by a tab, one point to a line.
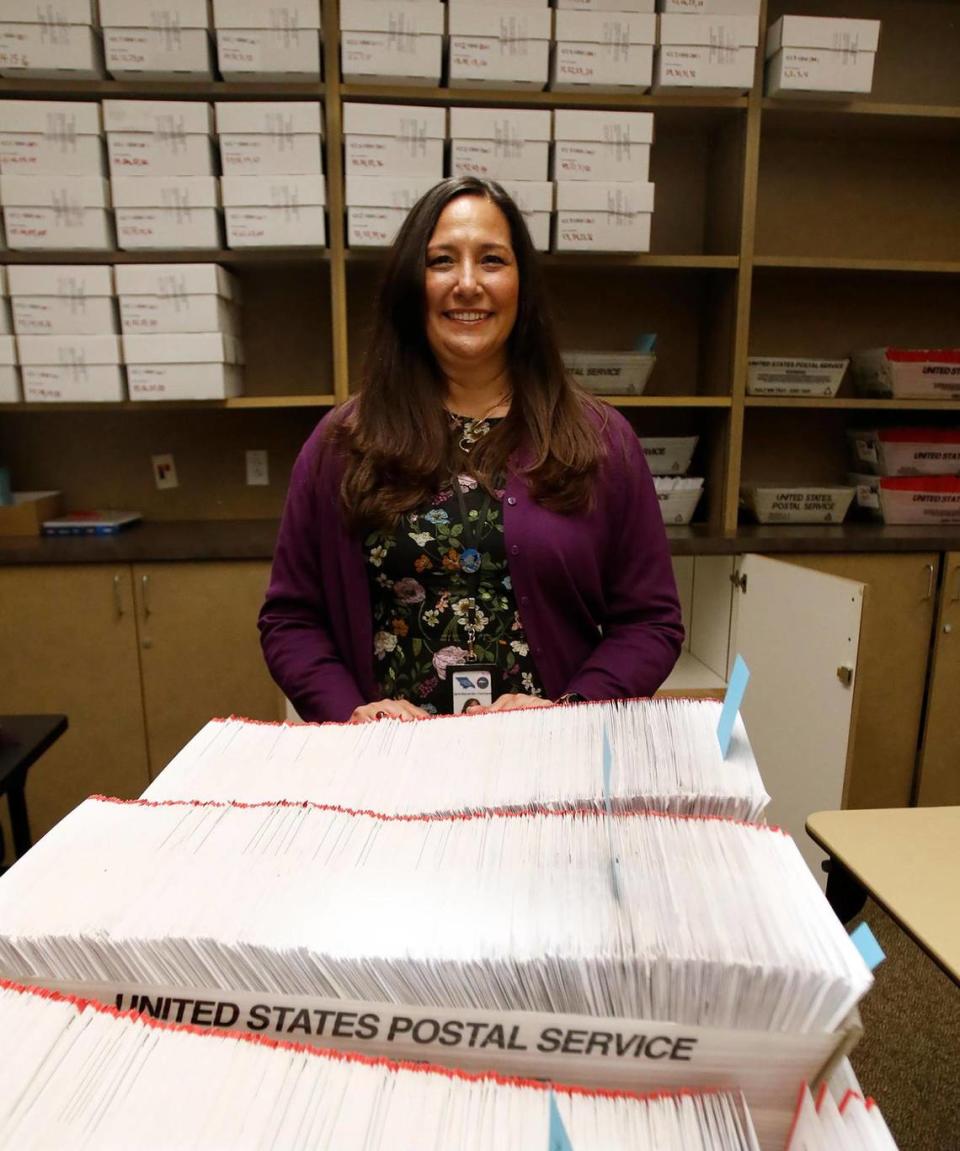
396	438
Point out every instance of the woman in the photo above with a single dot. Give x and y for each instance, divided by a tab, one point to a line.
472	516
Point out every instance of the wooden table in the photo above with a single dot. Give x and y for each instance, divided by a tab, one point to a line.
23	739
908	859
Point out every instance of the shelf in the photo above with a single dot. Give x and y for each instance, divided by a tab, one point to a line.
667	401
236	403
691	676
844	403
161	89
238	258
840	264
861	118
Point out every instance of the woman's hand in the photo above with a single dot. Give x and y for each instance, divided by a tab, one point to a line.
387	709
509	702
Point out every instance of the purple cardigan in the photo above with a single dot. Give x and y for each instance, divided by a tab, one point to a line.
595	591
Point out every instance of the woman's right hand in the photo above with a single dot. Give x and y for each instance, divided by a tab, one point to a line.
387	709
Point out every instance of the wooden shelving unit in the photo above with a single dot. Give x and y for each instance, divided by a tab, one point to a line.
781	227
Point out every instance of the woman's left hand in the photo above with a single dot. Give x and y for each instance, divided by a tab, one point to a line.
509	702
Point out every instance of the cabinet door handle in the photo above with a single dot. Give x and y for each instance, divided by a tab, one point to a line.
117	597
145	588
931	570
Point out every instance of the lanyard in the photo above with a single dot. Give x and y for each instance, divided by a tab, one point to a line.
470	558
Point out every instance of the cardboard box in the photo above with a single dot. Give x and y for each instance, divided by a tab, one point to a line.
282	15
603	50
534	198
369	227
281	53
401	40
603	217
26	514
908	373
267	138
167	212
678	497
156	298
819	71
386	191
668	455
623	129
610	373
797	503
711	7
9	371
835	34
394	139
275	211
794	376
605	5
62	300
605	146
196	366
43	212
721	32
54	137
920	499
509	47
168	41
71	369
29	51
907	451
677	67
159	137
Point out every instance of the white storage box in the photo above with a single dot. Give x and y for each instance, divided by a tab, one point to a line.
167	211
157	41
391	38
75	369
908	373
159	137
821	55
920	499
275	211
71	300
51	137
276	41
198	366
44	40
603	217
159	298
703	67
721	32
907	451
386	191
668	455
592	145
794	376
678	497
606	5
797	503
270	138
603	51
509	47
500	144
867	497
9	372
43	212
534	198
394	140
373	227
711	7
610	373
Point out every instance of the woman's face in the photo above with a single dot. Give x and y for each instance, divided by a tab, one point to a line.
472	284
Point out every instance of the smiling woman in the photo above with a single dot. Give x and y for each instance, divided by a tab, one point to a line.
472	531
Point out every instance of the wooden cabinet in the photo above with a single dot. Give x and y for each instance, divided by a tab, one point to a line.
69	642
939	775
137	658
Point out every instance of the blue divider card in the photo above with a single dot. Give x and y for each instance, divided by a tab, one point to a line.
739	679
608	807
866	943
559	1139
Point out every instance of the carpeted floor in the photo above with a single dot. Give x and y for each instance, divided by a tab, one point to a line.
909	1057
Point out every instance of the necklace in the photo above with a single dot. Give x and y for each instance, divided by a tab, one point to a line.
474	428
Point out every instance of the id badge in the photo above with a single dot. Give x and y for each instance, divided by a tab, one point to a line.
471	683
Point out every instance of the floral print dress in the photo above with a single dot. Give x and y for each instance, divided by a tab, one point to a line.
425	606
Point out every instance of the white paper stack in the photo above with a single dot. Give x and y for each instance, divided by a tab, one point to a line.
852	1124
665	757
167	41
273	187
71	369
122	1081
58	300
41	39
605	46
56	211
189	366
505	45
678	497
668	455
51	137
821	56
399	41
378	205
279	41
707	45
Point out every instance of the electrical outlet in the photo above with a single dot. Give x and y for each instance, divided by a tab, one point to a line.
258	469
164	472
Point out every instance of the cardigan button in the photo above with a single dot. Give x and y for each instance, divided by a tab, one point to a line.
524	600
512	501
514	551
